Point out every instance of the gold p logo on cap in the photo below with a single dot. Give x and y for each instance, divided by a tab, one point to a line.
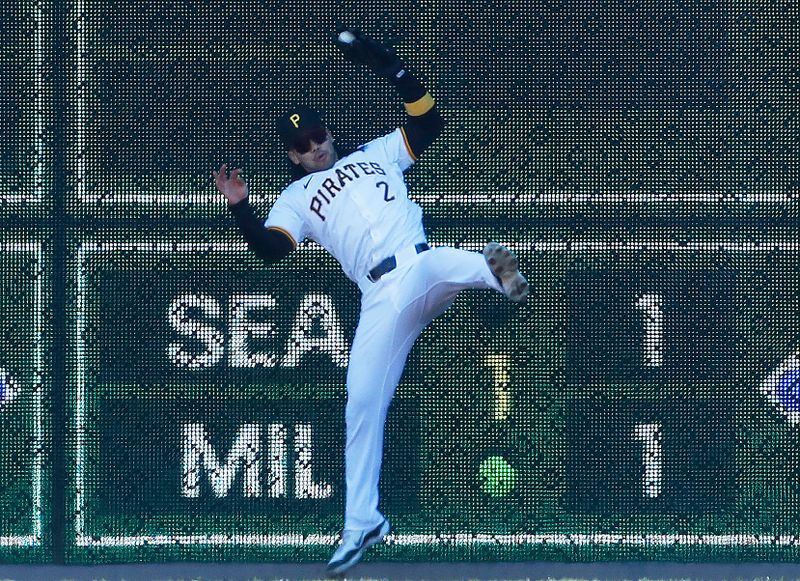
295	119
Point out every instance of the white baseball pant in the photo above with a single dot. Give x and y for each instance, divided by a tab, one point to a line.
394	311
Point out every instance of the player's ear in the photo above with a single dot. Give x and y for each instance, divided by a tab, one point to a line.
294	156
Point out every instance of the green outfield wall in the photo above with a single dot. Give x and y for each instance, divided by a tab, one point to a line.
165	396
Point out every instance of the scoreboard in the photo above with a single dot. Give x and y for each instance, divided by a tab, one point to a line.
164	395
635	406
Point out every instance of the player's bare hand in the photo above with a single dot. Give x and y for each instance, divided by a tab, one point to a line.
233	187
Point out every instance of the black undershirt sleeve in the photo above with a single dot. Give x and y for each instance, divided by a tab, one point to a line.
268	244
424	122
421	131
409	87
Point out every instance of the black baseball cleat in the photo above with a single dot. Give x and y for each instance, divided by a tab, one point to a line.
505	267
354	543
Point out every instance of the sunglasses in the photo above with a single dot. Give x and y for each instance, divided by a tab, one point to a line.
302	143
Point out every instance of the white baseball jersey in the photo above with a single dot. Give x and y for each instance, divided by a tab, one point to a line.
358	210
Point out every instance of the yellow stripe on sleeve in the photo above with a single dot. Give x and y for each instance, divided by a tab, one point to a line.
285	233
420	106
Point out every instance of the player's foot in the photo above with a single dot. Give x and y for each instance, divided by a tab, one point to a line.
505	267
354	543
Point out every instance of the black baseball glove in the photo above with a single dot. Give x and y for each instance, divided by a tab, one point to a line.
362	50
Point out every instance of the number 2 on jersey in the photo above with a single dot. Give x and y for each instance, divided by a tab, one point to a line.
386	195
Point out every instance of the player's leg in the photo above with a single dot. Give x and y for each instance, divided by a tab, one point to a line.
381	345
393	315
440	274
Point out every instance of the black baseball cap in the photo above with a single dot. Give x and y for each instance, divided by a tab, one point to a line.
295	123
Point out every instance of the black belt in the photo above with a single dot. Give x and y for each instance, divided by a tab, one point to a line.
389	264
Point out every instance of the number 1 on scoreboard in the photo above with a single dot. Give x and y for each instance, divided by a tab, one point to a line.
650	305
652	458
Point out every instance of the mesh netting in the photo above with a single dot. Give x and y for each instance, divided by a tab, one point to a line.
640	157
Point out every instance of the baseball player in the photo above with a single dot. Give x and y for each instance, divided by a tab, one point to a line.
357	207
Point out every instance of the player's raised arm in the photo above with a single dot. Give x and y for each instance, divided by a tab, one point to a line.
267	243
424	121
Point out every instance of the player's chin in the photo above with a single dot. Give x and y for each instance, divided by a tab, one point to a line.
321	163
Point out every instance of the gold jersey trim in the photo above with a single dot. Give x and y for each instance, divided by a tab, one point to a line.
408	145
285	233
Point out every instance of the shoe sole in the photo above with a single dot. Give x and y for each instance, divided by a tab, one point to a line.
505	266
374	537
